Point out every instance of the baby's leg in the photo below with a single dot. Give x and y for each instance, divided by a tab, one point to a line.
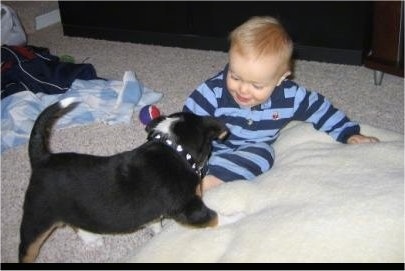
245	163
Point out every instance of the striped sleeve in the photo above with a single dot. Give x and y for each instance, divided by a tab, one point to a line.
314	108
203	100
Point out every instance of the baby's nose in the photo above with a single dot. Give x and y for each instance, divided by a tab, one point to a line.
243	88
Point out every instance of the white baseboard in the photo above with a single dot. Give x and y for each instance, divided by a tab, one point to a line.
47	19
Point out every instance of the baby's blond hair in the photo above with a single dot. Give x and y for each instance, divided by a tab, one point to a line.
262	36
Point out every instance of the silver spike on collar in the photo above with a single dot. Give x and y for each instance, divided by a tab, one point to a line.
179	149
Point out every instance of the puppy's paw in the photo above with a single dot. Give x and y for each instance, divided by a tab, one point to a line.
91	240
229	219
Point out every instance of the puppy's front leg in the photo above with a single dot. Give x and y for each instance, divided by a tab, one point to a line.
196	213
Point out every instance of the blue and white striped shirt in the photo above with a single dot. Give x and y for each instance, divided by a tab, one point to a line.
262	123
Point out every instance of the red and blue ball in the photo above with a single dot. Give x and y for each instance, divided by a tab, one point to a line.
148	113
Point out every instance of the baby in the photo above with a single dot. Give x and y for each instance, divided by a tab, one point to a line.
255	98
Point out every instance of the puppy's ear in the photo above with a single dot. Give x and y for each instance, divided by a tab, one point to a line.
152	124
216	129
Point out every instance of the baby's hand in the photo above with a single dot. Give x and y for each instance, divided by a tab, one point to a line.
356	139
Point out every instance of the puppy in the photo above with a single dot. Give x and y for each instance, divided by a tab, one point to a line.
119	193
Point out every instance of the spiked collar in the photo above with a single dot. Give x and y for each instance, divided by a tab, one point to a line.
167	140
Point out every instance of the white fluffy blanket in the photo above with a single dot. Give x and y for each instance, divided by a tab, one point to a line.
322	202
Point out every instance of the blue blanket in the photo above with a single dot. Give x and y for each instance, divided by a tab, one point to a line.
100	102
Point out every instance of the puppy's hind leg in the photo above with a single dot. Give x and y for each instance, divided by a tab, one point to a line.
33	235
197	214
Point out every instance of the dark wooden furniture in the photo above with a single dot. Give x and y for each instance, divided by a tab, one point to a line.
329	31
387	48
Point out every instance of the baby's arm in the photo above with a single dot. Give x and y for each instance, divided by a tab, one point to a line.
356	139
328	118
201	101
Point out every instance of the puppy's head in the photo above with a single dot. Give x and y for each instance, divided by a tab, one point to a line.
195	133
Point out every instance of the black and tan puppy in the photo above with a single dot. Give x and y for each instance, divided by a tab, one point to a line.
119	193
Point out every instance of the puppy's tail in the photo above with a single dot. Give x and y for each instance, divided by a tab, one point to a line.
38	147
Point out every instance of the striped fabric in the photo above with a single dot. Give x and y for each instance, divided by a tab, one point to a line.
247	152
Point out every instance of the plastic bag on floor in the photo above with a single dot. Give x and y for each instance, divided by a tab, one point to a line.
12	32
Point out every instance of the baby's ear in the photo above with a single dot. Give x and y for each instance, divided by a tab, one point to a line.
283	77
216	129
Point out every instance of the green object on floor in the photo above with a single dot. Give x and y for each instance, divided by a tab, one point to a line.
67	58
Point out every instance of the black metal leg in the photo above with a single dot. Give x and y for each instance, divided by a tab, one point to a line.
378	76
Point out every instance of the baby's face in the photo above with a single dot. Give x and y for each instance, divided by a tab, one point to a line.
251	81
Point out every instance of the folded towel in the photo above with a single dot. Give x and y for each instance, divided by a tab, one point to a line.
131	91
99	103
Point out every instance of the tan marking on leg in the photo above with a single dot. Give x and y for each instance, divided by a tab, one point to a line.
213	222
199	190
33	248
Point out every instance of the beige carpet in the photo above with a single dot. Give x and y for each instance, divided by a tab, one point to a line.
174	72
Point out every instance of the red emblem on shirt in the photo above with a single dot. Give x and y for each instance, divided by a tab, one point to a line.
275	116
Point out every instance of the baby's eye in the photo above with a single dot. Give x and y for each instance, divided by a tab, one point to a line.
234	77
258	87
